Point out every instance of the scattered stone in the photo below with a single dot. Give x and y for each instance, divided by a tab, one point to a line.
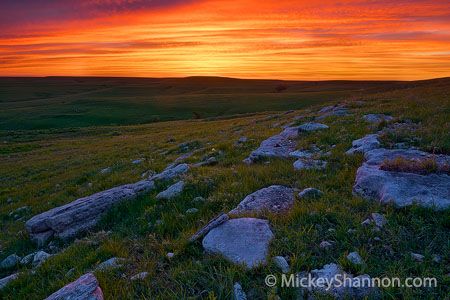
39	258
351	231
198	200
112	263
417	257
437	258
9	200
27	259
325	245
233	238
378	239
192	210
139	276
212	224
10	261
106	170
355	258
365	144
301	154
336	110
6	280
85	287
208	162
311	164
137	161
275	199
170	255
172	191
281	263
403	188
239	293
310	193
379	219
279	145
354	288
377	118
171	172
310	126
366	222
242	140
41	239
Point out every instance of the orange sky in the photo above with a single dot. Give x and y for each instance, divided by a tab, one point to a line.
355	39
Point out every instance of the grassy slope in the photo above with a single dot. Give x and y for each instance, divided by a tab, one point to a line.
45	169
55	102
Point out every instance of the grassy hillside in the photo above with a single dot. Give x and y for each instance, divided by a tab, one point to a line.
61	102
43	169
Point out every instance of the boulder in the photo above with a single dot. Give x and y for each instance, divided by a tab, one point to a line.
84	288
362	145
238	292
377	118
10	261
281	263
309	164
40	257
279	145
310	193
6	280
27	259
311	126
172	191
241	241
402	188
333	274
274	199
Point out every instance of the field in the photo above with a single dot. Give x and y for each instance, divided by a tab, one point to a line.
54	142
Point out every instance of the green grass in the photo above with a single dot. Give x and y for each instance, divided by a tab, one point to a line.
43	169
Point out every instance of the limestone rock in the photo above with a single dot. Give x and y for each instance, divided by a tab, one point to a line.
309	164
402	188
171	172
172	191
212	224
10	261
233	238
355	258
301	154
281	263
417	257
365	144
238	292
311	126
335	110
192	210
379	219
40	257
27	259
310	193
325	245
6	280
84	288
112	263
275	199
139	276
377	118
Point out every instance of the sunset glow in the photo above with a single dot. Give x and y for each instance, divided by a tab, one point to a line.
350	39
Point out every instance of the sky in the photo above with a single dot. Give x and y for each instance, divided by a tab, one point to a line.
279	39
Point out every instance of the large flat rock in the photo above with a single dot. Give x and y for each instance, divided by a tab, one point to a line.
279	145
84	288
403	188
274	199
241	241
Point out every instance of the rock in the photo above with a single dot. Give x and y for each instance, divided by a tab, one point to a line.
355	258
365	144
281	263
366	222
301	154
417	257
437	258
310	193
172	191
212	224
9	200
10	261
171	172
279	145
139	276
379	219
325	245
70	272
208	162
27	259
192	210
377	118
232	239
170	255
351	231
238	292
198	200
402	188
106	170
274	199
39	258
84	288
242	139
6	280
80	215
352	289
311	164
336	110
112	263
137	161
311	126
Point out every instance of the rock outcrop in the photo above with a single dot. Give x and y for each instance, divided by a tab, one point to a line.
80	215
403	188
241	241
84	288
274	199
